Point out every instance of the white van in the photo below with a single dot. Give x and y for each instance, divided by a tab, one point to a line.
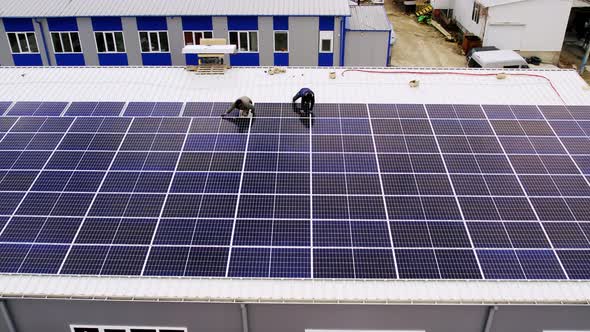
496	59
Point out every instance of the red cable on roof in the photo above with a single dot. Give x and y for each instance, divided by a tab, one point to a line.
456	73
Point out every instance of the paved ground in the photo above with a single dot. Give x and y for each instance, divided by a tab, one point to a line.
420	45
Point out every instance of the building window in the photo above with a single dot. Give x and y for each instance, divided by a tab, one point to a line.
326	41
476	12
194	37
95	328
66	42
281	41
109	42
245	41
23	42
154	41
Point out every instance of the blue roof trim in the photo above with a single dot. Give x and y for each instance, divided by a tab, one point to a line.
107	23
18	24
63	24
242	22
327	23
151	23
197	23
280	22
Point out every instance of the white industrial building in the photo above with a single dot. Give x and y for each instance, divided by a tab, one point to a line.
76	303
153	33
532	27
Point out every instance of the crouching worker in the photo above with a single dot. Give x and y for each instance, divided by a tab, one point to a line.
244	105
307	99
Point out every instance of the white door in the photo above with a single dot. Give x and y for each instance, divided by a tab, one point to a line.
504	37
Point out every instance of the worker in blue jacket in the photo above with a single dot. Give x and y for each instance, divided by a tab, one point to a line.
307	99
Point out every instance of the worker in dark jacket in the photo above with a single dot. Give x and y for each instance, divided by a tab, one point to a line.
307	99
244	105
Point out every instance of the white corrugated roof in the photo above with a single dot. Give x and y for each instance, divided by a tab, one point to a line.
368	18
492	3
83	8
296	291
378	85
449	86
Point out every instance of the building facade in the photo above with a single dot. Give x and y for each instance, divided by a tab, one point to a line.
158	40
368	33
123	316
531	27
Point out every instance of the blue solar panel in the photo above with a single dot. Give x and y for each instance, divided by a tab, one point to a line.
4	106
359	191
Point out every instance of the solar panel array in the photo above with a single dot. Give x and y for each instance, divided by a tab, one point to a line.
356	191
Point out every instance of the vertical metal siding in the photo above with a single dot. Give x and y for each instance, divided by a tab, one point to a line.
176	40
197	23
242	23
388	49
18	24
280	23
281	59
87	41
131	36
42	31
360	41
326	23
27	60
151	23
325	59
220	31
69	59
62	24
303	41
5	54
113	59
156	59
266	40
343	40
245	59
337	40
107	24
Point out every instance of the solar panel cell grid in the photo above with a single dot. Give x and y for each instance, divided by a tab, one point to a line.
4	106
24	108
289	197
